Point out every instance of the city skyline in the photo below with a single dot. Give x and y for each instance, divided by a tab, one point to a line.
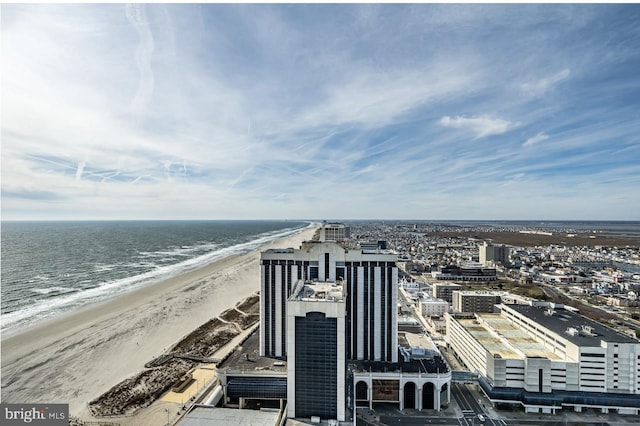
298	111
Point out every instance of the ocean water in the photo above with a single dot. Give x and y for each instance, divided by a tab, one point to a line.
48	268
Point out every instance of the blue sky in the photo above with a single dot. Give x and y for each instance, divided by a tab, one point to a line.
321	111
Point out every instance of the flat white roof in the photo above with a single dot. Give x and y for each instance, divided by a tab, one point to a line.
207	416
492	324
480	293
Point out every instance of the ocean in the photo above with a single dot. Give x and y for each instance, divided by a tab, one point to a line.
48	268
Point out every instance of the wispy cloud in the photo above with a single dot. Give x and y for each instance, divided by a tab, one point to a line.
136	15
317	110
539	87
482	126
80	169
536	139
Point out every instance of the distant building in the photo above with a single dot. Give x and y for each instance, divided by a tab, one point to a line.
475	301
547	357
515	299
490	254
433	307
608	276
437	324
444	291
335	232
373	245
467	272
411	286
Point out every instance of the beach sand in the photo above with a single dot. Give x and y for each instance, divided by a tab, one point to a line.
75	358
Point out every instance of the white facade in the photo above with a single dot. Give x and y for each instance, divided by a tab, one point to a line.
441	383
491	254
433	307
335	232
410	285
541	349
475	301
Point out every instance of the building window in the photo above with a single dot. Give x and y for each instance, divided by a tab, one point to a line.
540	380
326	267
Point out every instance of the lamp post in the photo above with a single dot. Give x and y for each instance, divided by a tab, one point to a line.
167	410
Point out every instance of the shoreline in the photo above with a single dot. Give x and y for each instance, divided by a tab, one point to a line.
77	356
181	272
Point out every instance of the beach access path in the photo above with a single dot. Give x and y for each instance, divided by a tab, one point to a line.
77	357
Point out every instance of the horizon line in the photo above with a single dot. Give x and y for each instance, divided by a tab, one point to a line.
315	220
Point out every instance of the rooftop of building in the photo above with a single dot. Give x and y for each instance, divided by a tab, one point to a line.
279	250
415	340
433	300
589	332
432	365
247	358
207	415
502	339
346	245
480	293
473	265
318	291
446	284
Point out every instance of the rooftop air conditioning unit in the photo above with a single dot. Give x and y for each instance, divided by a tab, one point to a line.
572	331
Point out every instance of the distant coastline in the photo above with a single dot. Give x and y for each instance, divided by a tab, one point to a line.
611	227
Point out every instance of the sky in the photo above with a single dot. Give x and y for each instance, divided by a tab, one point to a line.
366	111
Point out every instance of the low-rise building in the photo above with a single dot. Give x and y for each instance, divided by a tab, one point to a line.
547	357
475	301
432	307
444	291
411	286
467	272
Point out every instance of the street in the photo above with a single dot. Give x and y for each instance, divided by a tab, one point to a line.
470	402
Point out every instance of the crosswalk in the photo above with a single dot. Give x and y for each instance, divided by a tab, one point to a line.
469	418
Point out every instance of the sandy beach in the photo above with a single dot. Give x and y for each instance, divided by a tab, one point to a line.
77	357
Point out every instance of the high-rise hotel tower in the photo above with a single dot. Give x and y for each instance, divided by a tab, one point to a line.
370	278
